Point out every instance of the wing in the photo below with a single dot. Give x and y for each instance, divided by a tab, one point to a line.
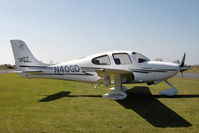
111	71
119	71
109	76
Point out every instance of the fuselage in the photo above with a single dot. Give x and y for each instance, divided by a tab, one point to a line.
83	69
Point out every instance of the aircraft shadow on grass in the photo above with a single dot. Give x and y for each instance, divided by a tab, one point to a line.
151	109
143	103
61	94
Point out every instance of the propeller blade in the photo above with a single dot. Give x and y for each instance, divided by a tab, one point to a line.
182	69
183	60
182	77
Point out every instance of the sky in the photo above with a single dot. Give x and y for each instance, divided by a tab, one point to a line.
63	30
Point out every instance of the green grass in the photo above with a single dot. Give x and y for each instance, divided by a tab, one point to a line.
41	105
194	69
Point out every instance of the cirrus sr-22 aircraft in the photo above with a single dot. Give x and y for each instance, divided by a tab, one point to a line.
115	67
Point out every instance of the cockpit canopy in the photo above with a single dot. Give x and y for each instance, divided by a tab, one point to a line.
122	58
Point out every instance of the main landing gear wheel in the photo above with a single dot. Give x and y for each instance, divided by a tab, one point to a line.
118	95
118	90
124	89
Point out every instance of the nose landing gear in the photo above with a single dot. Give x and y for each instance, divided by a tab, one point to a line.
169	92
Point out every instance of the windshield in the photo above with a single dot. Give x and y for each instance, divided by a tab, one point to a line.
140	58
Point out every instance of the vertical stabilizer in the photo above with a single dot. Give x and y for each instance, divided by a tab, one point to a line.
23	56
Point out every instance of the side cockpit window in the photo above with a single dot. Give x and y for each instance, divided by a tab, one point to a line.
140	58
121	58
101	60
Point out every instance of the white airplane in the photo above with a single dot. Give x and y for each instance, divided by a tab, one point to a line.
116	67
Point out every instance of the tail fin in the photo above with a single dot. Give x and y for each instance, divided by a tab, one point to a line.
23	56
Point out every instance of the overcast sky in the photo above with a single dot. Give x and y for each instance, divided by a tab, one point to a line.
62	30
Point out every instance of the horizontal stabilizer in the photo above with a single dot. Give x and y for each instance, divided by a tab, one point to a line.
31	71
24	71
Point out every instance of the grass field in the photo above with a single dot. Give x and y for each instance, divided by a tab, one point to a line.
41	105
194	69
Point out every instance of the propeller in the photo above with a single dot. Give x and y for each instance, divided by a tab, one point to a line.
181	75
183	68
